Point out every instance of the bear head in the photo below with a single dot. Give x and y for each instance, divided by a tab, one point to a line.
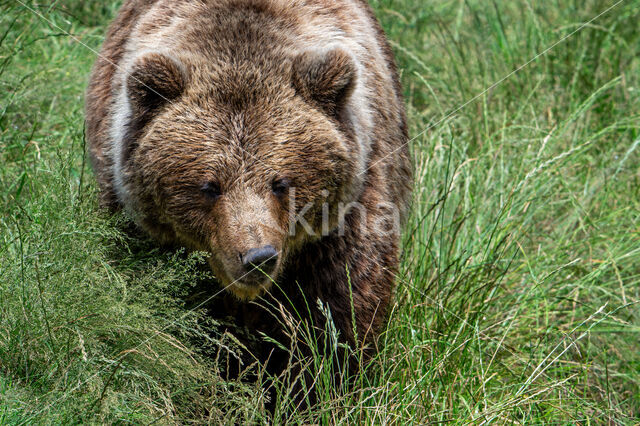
247	160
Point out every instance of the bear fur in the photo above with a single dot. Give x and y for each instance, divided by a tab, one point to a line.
229	126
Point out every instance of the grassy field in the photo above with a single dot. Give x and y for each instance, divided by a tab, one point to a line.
519	296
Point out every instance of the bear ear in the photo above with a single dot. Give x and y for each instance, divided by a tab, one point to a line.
327	78
155	80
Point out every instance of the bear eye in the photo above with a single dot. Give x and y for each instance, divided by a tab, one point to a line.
211	190
280	186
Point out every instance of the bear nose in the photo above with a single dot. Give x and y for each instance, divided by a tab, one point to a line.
263	258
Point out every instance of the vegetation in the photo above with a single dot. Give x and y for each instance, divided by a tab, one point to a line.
519	295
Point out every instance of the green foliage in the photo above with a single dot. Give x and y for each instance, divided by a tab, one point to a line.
518	299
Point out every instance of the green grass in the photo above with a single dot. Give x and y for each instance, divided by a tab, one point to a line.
519	295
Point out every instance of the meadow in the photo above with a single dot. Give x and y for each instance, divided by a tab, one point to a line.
518	300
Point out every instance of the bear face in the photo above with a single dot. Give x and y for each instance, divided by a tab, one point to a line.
226	158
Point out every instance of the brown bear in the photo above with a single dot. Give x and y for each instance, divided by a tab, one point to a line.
269	133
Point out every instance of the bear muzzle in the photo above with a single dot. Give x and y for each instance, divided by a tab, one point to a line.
258	262
251	273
